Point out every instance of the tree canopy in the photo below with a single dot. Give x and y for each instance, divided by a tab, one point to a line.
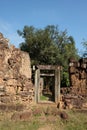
84	43
48	46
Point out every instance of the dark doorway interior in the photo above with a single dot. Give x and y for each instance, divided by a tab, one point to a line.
47	91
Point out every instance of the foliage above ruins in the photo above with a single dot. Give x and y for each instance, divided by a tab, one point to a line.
84	43
48	45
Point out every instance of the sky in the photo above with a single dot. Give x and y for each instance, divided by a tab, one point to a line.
67	14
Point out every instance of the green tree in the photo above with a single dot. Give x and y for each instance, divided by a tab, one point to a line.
84	43
48	46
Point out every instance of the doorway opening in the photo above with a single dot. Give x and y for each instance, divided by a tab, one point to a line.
47	86
47	83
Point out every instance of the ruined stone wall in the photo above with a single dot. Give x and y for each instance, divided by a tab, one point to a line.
78	76
15	74
75	96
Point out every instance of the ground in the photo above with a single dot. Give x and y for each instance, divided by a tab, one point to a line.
43	117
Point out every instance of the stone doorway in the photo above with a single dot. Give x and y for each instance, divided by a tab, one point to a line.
39	81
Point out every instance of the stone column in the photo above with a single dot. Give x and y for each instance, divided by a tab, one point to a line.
57	86
37	83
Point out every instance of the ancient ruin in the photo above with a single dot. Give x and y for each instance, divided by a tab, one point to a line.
16	85
15	74
78	76
76	94
55	88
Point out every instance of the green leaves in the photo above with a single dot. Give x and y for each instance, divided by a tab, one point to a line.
48	45
84	43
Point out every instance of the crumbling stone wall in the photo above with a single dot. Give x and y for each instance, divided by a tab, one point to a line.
78	76
15	74
75	96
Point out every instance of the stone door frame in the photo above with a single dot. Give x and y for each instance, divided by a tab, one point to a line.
57	80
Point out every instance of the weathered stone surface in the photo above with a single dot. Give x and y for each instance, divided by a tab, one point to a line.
75	96
12	107
22	116
78	76
64	115
15	73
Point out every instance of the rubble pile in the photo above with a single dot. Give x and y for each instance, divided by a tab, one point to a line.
69	101
15	74
76	95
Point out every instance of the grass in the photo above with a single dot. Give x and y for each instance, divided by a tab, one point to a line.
42	98
77	121
46	97
19	125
